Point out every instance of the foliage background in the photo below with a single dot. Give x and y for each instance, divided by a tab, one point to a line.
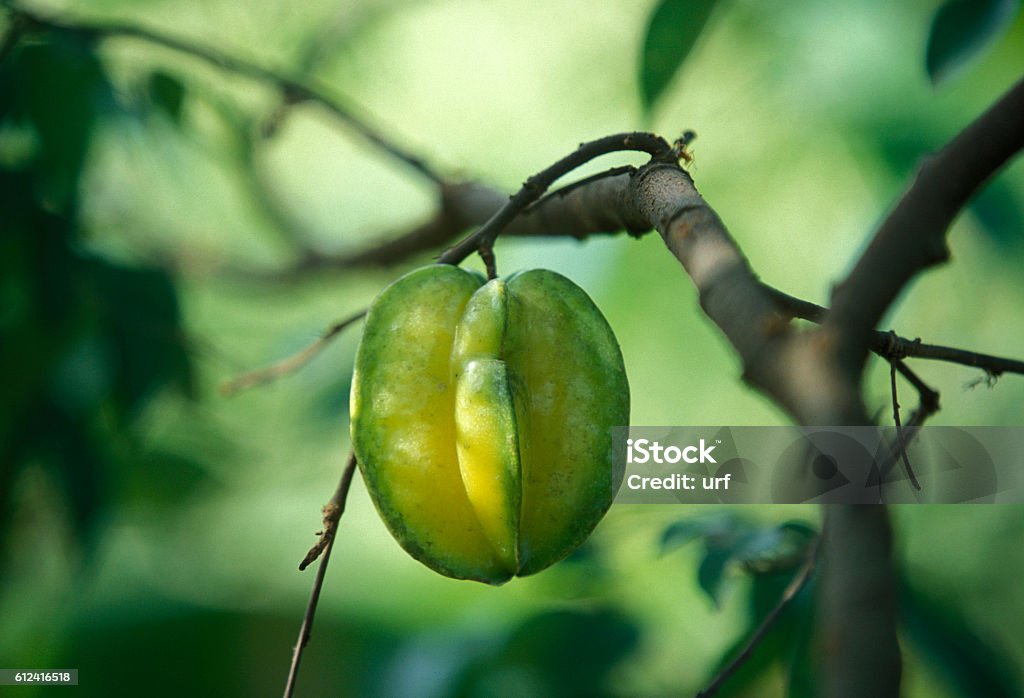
151	527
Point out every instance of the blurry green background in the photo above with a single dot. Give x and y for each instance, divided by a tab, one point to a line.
151	528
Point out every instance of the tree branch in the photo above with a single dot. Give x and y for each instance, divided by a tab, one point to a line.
858	588
601	206
534	187
293	90
901	443
289	364
332	515
857	604
890	345
794	368
913	236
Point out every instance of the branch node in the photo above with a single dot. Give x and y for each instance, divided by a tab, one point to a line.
332	515
486	252
901	443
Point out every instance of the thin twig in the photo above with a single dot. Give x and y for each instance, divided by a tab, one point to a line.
289	364
889	345
927	406
251	171
993	365
900	443
292	90
929	398
534	187
572	186
792	589
490	264
332	514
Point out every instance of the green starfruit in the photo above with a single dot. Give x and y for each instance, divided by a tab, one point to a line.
482	415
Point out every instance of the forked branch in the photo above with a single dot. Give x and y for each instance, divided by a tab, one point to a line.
332	515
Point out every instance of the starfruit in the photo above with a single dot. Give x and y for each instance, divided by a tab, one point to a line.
482	416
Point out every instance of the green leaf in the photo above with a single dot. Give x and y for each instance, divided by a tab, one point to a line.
787	642
720	528
769	550
74	454
968	661
141	319
776	549
160	479
998	208
59	111
802	678
672	31
146	631
961	29
711	572
750	679
555	653
679	534
167	93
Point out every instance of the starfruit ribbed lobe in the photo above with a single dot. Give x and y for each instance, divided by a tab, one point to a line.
482	415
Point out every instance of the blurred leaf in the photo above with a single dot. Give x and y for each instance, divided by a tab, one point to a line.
73	455
711	572
786	643
40	280
999	211
753	671
672	30
777	549
78	458
729	538
802	676
174	649
92	340
970	663
60	108
961	29
161	478
558	653
799	528
330	402
51	90
587	555
904	143
718	528
140	315
565	642
680	533
167	93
